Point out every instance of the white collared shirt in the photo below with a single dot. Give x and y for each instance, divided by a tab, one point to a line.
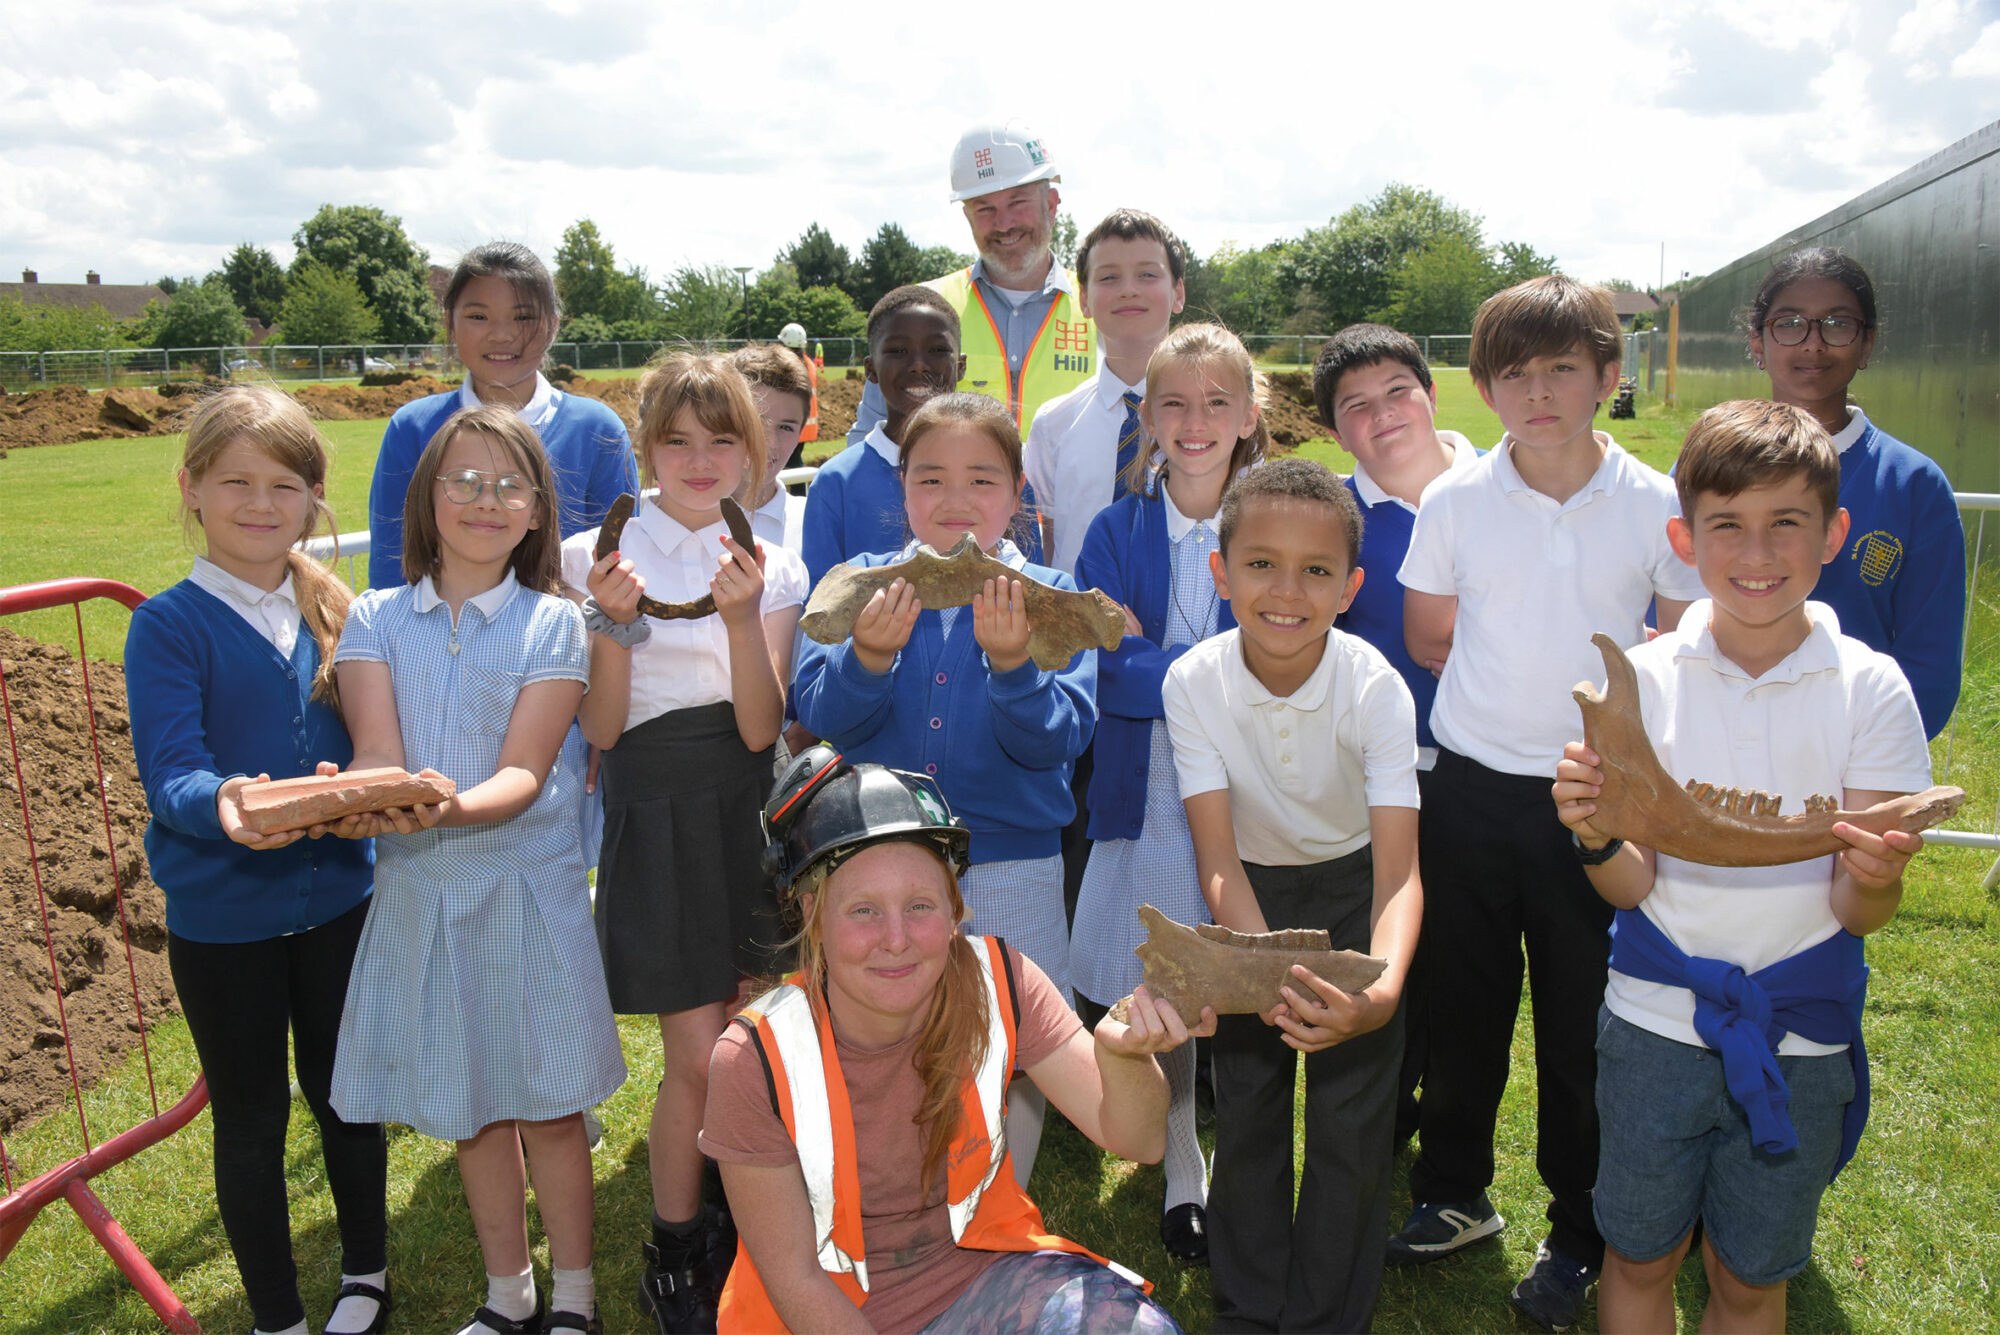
1534	579
1071	458
1303	769
878	441
489	603
779	522
1857	424
1179	525
1832	715
1463	455
536	412
273	615
686	662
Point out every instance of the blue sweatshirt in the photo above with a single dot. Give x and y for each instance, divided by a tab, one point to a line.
588	449
1376	614
1001	745
1125	553
210	699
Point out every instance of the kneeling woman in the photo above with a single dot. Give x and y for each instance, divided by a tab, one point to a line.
854	1109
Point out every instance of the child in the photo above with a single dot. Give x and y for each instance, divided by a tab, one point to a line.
855	503
477	1010
1900	585
229	677
686	720
1757	689
1131	269
953	694
1513	563
1150	552
501	313
1296	747
783	396
1374	392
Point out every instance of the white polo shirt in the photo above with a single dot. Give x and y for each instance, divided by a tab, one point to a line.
685	663
778	522
1534	579
1301	769
273	615
1833	715
1070	457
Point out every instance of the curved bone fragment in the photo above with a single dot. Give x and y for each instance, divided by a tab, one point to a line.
613	529
277	805
1235	972
1721	827
1062	622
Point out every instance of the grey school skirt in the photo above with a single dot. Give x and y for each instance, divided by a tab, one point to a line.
683	906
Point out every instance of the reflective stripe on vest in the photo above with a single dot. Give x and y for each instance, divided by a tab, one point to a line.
810	431
1062	355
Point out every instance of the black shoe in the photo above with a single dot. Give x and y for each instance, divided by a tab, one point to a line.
713	1250
560	1321
1553	1293
354	1288
1184	1230
492	1320
670	1294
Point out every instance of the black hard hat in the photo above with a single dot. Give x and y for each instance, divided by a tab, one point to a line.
824	807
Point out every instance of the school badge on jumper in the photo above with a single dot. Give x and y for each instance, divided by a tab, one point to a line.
1880	554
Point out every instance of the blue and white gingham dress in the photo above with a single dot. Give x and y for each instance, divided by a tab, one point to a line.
1157	868
477	994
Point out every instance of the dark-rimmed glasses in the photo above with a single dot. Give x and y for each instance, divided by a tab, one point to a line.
1836	331
466	485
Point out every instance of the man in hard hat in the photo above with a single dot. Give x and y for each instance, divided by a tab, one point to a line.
1025	340
793	336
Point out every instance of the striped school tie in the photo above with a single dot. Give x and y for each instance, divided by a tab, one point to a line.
1128	446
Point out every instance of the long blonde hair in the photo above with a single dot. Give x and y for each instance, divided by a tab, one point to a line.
272	422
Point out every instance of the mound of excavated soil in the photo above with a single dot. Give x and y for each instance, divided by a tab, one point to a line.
359	403
1290	414
45	692
66	413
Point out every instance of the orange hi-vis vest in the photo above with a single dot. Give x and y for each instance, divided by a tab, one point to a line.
988	1211
810	431
1062	356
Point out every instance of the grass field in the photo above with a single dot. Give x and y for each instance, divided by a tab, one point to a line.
1908	1237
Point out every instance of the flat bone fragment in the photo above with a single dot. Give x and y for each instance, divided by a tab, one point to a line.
1062	623
1234	972
1641	803
613	529
277	805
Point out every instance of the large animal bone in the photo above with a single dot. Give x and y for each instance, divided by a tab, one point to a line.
1721	827
1234	972
277	805
613	529
1061	622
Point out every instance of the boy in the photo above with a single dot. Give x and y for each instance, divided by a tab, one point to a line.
1131	270
855	503
1513	563
1290	831
784	395
1758	688
1374	392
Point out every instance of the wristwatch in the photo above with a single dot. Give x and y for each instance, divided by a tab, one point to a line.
1594	857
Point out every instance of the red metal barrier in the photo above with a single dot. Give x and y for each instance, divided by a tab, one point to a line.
70	1181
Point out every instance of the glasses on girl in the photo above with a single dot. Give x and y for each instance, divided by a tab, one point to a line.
1836	331
466	485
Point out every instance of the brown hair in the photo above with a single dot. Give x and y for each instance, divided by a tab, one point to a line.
1133	225
1205	347
774	366
526	274
708	383
1291	479
1543	317
537	558
1749	443
952	1044
272	422
977	412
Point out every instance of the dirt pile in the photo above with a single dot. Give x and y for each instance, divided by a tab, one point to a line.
69	412
45	692
357	403
1290	415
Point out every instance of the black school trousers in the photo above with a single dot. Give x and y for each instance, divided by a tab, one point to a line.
1317	1267
1499	870
242	1000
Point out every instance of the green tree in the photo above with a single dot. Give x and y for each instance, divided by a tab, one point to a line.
370	246
888	261
169	284
1517	262
36	327
702	303
584	329
937	261
1239	289
1062	239
820	260
325	306
776	300
1349	268
256	281
1439	288
198	315
589	281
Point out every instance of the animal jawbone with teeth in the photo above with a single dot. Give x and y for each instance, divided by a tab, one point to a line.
1719	827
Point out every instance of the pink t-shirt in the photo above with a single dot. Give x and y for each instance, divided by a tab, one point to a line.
915	1271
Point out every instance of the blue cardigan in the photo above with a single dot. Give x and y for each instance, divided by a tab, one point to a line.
210	699
588	450
1125	554
1001	745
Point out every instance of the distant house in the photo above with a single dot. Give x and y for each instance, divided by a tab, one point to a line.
1630	304
122	301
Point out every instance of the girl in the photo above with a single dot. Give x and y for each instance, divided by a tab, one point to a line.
229	677
952	693
1900	585
687	722
1151	551
477	1009
501	314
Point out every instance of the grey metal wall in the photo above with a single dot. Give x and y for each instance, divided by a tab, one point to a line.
1930	239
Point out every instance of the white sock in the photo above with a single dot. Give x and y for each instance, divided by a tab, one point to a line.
296	1328
512	1296
356	1312
573	1291
1187	1169
1026	1107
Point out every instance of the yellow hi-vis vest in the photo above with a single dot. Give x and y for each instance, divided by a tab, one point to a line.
1062	356
988	1211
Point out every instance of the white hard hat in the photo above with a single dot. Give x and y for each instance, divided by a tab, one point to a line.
998	157
793	335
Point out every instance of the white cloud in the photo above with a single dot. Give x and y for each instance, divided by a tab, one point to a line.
1981	60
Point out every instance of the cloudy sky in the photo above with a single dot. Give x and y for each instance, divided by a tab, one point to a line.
146	139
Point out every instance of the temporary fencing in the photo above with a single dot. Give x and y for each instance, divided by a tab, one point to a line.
70	1181
1973	511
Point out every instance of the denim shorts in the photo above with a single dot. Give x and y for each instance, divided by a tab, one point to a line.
1675	1147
